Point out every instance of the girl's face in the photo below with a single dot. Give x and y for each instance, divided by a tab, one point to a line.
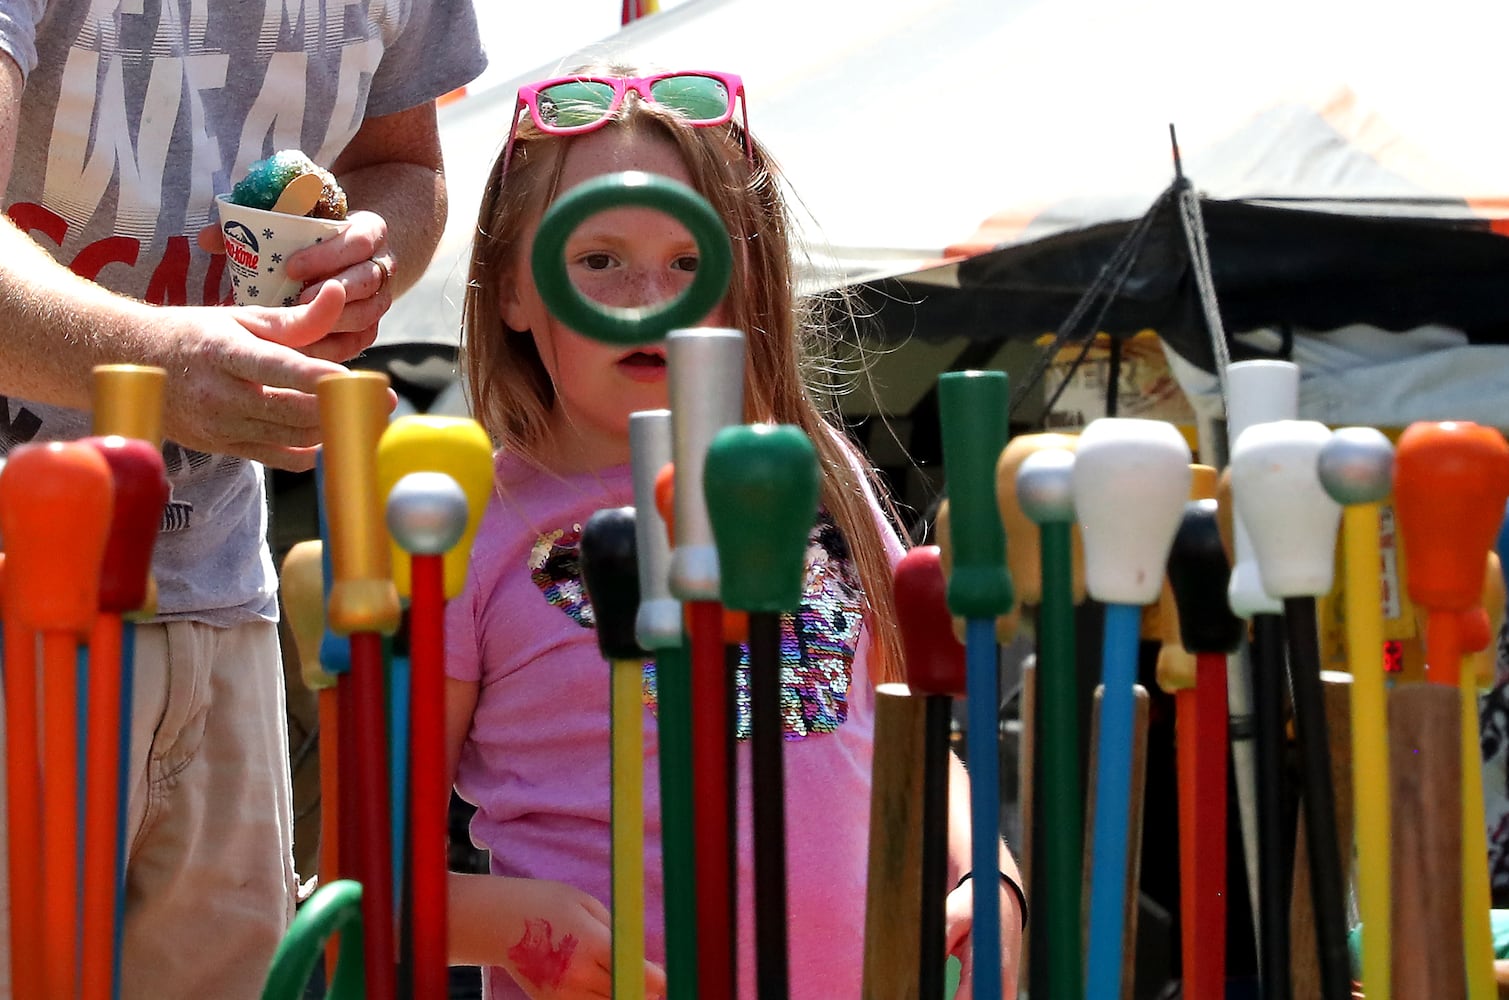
620	257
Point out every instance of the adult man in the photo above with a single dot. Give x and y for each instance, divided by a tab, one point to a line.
119	122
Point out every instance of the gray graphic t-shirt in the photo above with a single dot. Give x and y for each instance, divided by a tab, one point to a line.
136	113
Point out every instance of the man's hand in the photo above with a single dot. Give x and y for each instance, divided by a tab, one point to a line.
359	261
235	388
559	943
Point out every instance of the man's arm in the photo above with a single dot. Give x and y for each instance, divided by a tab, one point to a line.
393	167
232	388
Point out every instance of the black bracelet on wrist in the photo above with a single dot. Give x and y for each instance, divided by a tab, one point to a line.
1011	883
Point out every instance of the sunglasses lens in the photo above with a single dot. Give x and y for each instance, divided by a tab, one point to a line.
695	98
571	105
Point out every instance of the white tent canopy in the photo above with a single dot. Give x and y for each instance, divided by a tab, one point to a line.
918	132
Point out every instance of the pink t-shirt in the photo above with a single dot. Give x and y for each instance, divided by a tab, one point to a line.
536	760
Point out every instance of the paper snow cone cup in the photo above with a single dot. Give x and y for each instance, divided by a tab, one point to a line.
258	242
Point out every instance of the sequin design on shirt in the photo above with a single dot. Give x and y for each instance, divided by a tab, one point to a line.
818	643
555	566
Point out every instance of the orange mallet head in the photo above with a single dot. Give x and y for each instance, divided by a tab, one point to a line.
1451	480
735	623
55	503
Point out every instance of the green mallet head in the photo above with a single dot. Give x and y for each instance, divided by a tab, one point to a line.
973	409
761	483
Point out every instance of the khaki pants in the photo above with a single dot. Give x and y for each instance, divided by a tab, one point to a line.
210	886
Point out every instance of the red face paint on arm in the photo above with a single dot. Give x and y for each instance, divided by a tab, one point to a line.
538	958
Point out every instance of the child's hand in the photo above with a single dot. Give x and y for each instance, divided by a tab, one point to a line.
958	919
559	942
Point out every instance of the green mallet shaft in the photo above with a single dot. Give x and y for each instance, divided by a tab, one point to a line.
1045	492
658	628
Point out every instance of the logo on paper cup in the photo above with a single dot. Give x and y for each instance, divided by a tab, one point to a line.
241	247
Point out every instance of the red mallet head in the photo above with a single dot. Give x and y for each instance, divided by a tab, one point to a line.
141	492
934	655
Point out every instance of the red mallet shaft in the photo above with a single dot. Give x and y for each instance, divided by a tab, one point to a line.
1198	573
427	515
140	492
705	369
445	467
363	604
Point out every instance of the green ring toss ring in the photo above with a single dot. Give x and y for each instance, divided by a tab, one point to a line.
637	325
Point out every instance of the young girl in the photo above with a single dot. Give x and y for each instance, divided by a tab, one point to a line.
528	716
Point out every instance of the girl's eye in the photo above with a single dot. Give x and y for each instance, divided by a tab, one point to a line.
686	263
596	261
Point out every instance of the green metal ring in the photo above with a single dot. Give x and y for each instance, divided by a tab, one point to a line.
637	325
335	908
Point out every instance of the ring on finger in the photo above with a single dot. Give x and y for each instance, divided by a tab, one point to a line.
385	266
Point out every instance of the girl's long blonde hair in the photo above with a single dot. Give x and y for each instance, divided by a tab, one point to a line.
511	393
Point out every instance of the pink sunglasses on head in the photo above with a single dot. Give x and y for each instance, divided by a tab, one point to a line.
572	105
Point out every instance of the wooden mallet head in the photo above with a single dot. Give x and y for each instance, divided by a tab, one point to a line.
301	584
1023	546
353	416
